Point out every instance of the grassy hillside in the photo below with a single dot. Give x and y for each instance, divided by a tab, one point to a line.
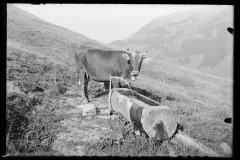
38	77
196	39
32	81
40	68
201	101
30	33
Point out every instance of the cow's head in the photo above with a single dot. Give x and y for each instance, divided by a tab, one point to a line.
135	60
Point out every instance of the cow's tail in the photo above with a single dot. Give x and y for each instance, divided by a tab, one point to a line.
78	64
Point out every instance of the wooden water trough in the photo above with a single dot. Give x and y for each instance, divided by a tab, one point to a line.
149	116
146	114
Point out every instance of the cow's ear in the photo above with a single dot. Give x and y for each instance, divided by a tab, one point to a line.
126	56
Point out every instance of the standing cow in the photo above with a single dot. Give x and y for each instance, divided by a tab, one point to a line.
99	65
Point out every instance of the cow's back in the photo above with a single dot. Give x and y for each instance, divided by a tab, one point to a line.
100	64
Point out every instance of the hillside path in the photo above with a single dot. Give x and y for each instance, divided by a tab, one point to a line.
76	131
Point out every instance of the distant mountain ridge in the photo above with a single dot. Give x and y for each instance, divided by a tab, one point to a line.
30	33
196	39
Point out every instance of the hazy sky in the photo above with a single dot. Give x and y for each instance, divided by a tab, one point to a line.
103	22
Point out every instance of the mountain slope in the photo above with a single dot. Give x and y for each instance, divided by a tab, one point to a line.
195	39
30	33
201	102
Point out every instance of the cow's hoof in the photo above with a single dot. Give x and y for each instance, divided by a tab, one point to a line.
126	123
110	113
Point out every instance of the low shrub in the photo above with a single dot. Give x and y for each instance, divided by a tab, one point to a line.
29	130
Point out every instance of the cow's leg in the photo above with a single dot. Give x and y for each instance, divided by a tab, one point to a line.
106	86
80	81
85	79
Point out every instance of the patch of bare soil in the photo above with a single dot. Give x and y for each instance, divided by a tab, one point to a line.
75	130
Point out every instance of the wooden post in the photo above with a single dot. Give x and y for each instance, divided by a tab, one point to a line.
188	141
156	121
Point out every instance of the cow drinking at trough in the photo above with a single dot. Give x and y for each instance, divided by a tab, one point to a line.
99	65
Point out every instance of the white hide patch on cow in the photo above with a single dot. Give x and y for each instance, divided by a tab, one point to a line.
126	56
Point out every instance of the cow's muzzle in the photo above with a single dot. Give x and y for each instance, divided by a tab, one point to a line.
134	75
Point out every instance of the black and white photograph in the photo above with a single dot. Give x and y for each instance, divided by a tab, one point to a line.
122	80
